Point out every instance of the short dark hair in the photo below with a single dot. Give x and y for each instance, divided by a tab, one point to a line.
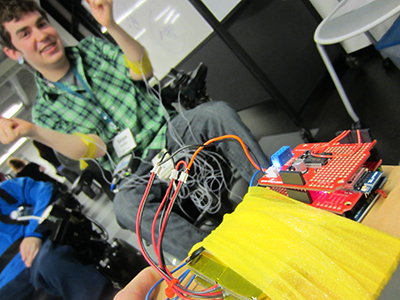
14	10
16	163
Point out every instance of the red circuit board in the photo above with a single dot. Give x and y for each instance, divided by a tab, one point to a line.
331	176
338	202
328	184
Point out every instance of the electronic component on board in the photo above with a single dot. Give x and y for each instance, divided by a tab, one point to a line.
372	180
280	157
292	177
363	178
337	176
300	165
316	162
303	196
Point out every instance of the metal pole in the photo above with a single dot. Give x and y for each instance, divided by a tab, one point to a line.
249	63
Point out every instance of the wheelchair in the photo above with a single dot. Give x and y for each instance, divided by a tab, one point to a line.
65	223
189	90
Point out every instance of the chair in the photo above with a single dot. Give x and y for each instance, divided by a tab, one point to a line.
349	19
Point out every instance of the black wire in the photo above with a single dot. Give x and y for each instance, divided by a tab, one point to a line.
195	294
211	145
256	160
180	150
162	257
166	217
139	233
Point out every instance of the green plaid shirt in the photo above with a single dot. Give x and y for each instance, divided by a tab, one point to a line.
101	64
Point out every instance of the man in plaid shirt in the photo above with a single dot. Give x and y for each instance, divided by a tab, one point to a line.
89	104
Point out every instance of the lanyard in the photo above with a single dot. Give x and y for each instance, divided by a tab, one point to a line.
102	114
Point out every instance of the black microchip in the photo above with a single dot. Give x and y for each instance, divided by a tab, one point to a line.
316	162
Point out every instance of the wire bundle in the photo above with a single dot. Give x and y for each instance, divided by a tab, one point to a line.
175	288
205	184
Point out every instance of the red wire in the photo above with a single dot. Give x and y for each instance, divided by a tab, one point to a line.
336	139
157	245
153	228
177	288
359	139
138	236
167	212
179	291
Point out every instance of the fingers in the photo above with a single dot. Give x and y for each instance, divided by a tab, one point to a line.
29	248
32	252
8	131
138	288
98	2
102	11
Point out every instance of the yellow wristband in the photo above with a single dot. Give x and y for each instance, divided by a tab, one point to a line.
141	67
91	148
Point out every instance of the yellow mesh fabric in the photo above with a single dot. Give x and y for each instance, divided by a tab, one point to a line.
90	150
141	67
291	250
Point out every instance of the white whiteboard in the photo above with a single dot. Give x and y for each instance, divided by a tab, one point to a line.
169	30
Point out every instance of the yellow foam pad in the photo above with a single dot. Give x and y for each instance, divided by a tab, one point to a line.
91	149
141	67
291	250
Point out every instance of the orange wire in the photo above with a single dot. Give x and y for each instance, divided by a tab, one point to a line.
359	139
219	139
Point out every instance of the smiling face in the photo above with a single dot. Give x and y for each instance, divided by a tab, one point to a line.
37	42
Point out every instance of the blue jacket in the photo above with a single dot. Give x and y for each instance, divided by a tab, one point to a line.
23	191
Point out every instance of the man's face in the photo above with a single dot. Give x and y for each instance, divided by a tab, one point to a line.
36	40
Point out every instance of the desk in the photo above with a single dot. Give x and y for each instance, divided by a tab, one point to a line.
385	214
349	19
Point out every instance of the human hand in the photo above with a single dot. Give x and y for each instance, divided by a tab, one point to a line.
138	288
102	11
29	247
13	129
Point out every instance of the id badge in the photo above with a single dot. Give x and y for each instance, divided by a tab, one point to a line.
124	142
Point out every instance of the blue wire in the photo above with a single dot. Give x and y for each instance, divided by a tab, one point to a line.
158	282
180	278
183	276
191	280
153	288
253	177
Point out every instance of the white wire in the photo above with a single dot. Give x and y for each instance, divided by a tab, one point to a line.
205	187
207	181
101	170
187	121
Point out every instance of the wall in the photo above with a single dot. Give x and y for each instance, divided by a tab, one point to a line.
278	37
